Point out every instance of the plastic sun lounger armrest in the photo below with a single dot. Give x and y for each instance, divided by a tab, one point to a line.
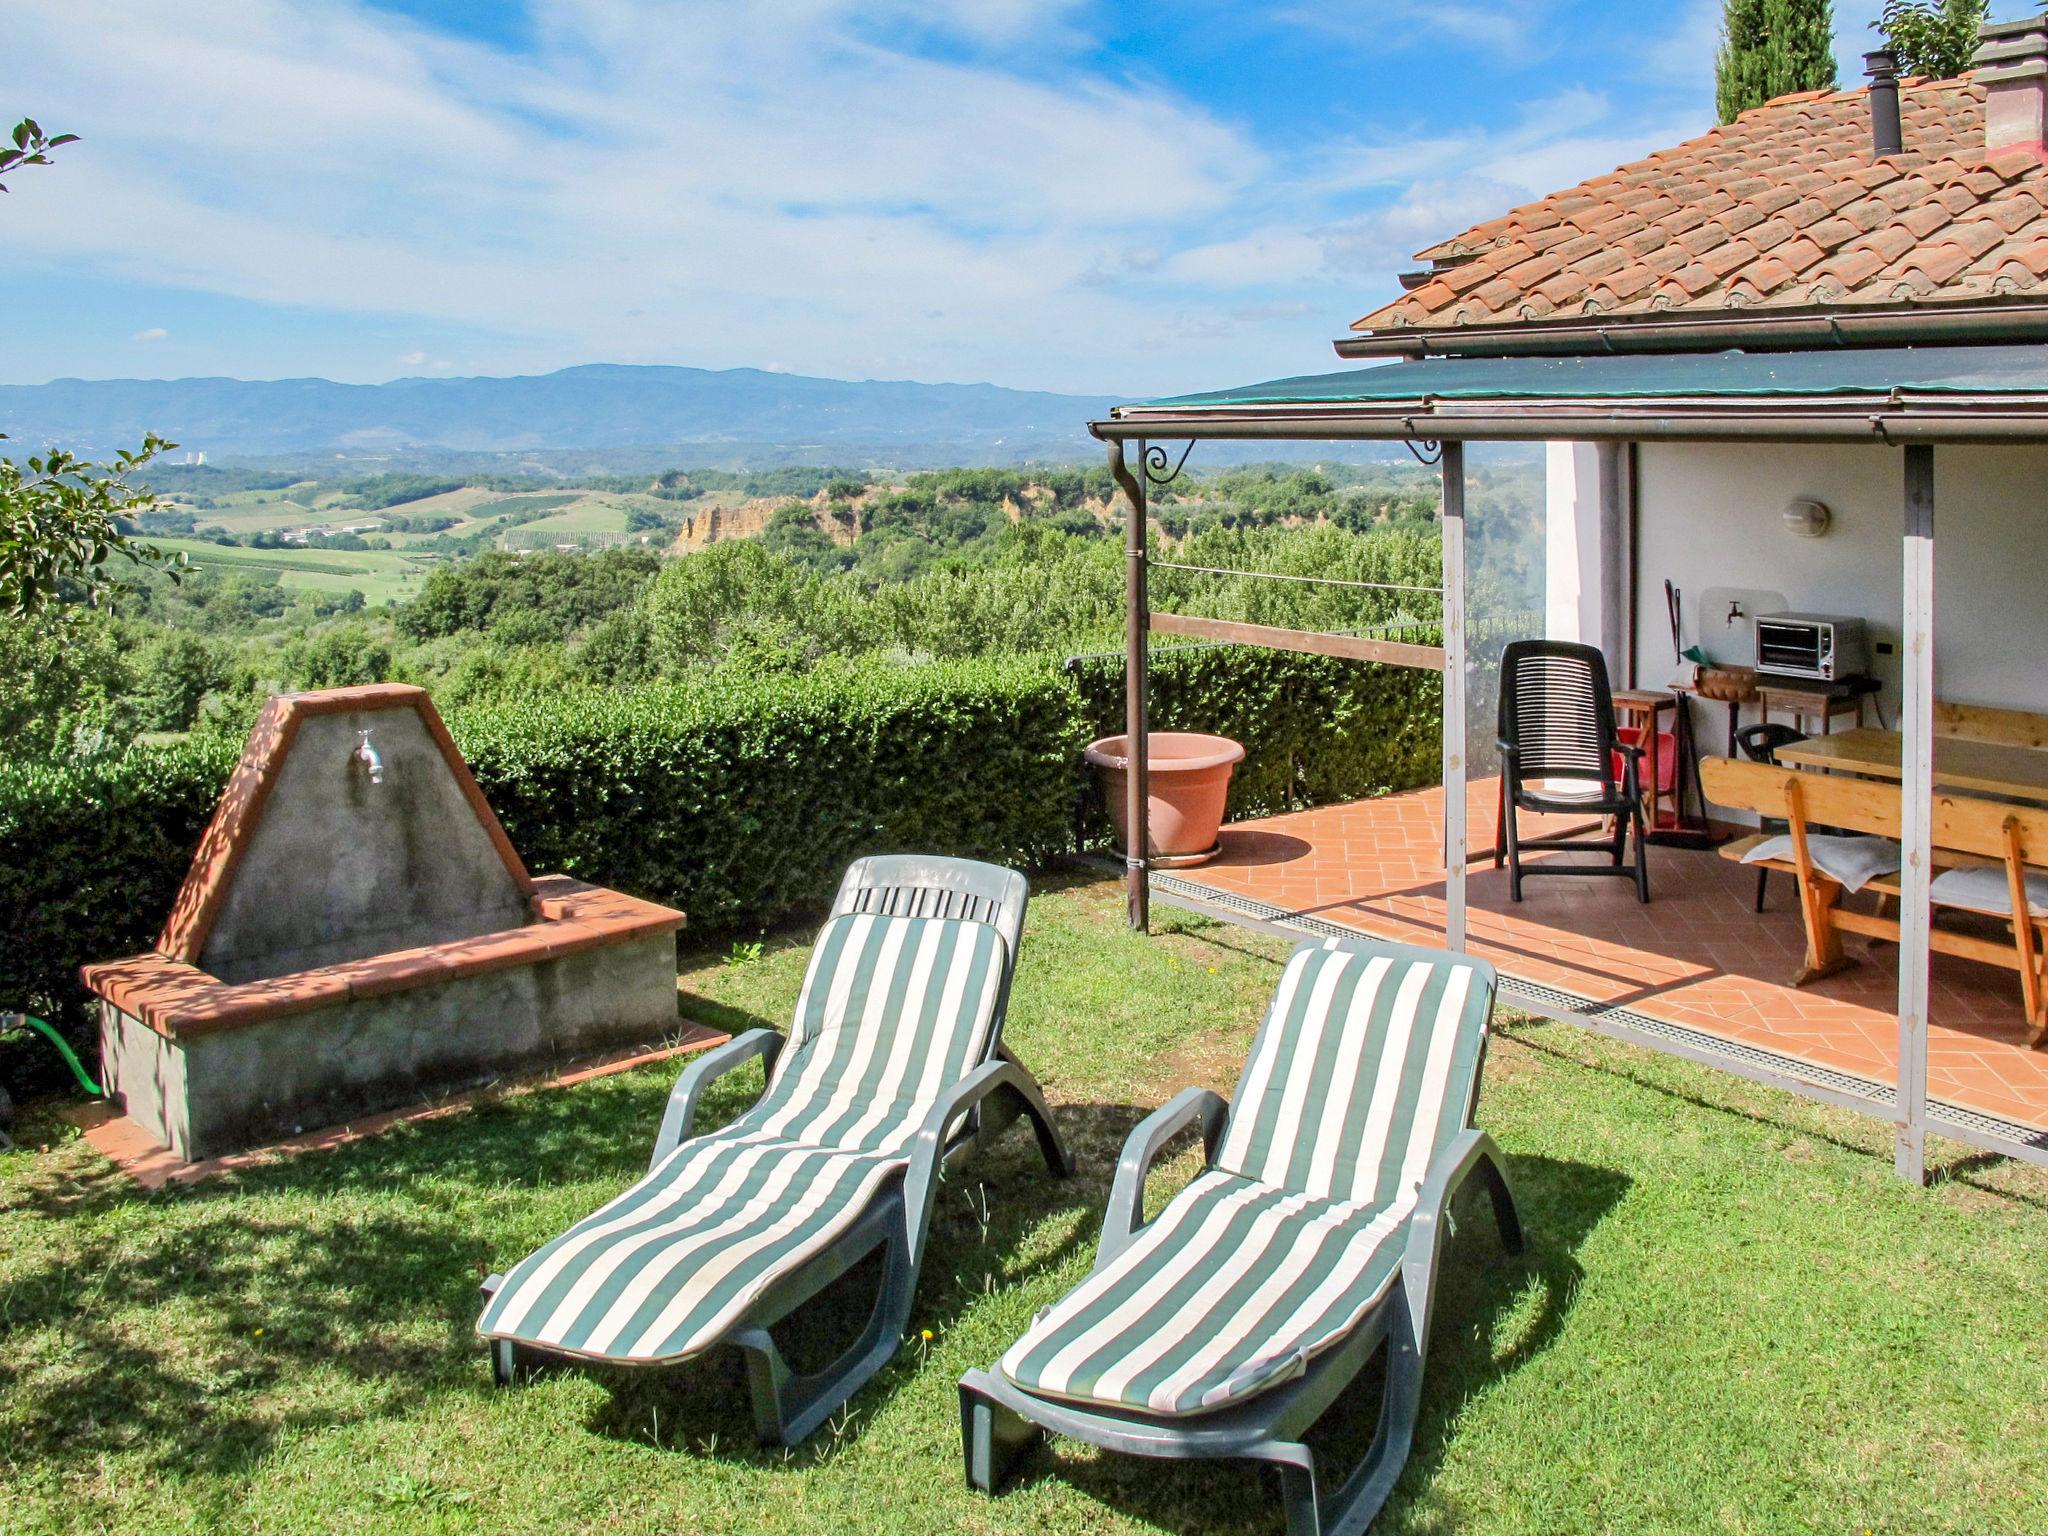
1470	1151
928	1151
678	1122
1125	1216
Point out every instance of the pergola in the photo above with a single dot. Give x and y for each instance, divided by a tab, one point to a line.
1908	400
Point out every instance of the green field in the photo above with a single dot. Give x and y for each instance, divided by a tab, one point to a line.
546	500
381	576
571	517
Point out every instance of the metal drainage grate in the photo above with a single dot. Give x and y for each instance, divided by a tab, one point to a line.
1876	1096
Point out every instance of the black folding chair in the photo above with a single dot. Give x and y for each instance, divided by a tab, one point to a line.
1760	744
1557	727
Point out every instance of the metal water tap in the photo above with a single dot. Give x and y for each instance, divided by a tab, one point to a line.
367	755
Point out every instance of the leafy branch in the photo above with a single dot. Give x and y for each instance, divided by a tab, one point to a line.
62	518
1935	38
31	147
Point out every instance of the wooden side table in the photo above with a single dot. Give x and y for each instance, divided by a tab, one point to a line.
1637	709
1804	701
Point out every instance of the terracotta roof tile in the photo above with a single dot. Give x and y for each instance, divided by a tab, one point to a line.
1977	236
1704	239
1695	279
1799	254
1770	234
1925	219
1936	264
1807	210
1834	232
2011	214
1730	258
1766	276
1954	198
2033	256
1851	269
1783	207
2011	164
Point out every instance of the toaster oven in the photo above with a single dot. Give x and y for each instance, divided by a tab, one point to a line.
1822	646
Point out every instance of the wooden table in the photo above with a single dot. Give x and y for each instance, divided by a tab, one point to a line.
1988	767
1814	700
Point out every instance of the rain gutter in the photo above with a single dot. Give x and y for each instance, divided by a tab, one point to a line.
1893	421
1746	330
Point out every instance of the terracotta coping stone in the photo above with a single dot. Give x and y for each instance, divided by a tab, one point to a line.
179	1001
206	884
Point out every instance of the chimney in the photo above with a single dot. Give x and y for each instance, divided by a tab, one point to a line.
2012	66
1882	66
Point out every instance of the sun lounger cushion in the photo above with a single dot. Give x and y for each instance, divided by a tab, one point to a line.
1986	890
1365	1066
1852	862
893	1011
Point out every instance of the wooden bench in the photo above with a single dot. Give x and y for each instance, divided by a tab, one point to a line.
1967	833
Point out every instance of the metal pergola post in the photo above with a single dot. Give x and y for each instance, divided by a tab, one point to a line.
1916	724
1137	610
1456	839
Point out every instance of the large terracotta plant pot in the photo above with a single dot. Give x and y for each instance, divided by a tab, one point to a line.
1188	779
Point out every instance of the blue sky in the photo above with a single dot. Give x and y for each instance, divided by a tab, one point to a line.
1056	194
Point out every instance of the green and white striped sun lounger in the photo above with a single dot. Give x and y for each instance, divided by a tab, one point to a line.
1229	1324
893	1067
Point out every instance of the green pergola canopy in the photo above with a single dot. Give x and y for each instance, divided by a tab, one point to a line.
1891	395
1877	371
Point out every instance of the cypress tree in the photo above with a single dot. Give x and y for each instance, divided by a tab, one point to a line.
1772	48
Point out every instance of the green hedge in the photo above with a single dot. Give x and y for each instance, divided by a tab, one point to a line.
1315	730
740	801
91	857
743	803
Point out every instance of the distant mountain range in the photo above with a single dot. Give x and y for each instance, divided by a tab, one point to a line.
692	415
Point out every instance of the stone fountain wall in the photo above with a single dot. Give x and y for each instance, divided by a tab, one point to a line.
347	944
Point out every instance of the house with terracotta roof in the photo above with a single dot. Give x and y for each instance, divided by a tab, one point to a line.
1767	365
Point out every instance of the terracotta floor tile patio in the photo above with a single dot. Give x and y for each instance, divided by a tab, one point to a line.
1697	955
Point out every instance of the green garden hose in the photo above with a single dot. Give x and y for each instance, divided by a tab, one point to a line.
8	1020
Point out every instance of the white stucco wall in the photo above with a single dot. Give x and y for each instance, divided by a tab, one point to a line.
1571	542
1711	517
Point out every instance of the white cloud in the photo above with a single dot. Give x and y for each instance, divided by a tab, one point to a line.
699	182
867	188
1501	26
1256	261
153	333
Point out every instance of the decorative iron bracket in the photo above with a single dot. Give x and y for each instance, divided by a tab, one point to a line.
1155	460
1428	452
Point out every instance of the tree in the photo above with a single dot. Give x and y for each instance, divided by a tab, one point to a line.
1772	48
63	517
1935	38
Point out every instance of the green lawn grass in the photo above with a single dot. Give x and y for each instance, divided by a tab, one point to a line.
1731	1317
